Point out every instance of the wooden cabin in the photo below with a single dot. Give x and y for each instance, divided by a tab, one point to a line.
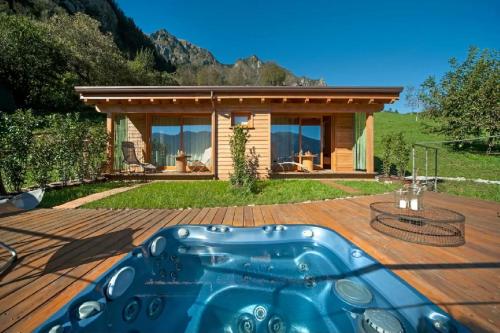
295	131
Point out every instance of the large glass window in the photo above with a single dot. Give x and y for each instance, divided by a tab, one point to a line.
196	137
285	139
292	135
165	140
169	135
311	137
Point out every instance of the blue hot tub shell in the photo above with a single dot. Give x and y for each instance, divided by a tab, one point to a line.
277	279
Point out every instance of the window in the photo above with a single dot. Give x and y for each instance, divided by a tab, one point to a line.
242	119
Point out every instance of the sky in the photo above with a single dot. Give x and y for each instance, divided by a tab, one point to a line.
350	42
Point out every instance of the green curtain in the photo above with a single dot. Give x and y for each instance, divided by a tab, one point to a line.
360	141
120	125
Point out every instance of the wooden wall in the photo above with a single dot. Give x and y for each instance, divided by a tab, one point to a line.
260	139
343	142
138	133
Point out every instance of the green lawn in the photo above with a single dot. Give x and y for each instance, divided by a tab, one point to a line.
369	187
219	193
57	197
470	189
451	163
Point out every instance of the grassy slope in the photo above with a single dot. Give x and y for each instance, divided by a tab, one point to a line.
218	193
450	163
59	196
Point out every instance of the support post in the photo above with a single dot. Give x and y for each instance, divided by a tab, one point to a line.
369	128
435	170
426	164
414	167
111	138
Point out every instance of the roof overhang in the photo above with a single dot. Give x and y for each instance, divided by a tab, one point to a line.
99	95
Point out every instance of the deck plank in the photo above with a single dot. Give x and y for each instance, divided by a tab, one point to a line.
55	263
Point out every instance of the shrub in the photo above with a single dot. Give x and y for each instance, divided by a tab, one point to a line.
244	174
15	141
387	155
69	135
95	149
41	159
401	153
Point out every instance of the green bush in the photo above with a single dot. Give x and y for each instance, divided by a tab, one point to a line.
15	142
69	135
41	159
401	153
96	150
244	174
386	155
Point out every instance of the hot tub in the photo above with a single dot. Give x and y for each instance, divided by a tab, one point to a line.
273	279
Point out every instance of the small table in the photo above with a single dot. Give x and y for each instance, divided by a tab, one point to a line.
430	226
307	160
181	162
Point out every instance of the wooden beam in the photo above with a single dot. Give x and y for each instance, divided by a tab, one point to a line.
111	133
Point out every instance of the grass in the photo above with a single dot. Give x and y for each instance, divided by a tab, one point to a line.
368	188
451	163
57	197
219	193
469	189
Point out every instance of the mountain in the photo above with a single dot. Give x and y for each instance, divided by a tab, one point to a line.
192	64
198	66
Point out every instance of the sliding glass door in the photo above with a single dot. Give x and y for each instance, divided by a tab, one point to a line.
292	135
170	135
165	141
285	145
311	137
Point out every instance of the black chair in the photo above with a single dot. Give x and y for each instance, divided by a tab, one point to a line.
130	157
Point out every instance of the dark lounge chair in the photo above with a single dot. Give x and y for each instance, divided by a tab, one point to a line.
130	157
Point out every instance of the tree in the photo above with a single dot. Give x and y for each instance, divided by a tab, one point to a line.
272	75
33	66
466	101
412	100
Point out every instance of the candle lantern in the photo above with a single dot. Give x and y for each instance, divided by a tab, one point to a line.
401	198
415	197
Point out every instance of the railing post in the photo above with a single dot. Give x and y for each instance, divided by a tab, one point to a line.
426	165
414	167
435	170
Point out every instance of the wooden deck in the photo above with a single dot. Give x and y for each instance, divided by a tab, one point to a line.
61	251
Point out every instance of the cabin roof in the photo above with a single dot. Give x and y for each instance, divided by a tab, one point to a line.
145	94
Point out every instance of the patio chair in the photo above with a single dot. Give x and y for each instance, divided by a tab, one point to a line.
203	163
10	261
130	157
21	202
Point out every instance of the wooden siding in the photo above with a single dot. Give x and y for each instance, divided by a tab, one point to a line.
343	142
138	133
61	251
259	139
